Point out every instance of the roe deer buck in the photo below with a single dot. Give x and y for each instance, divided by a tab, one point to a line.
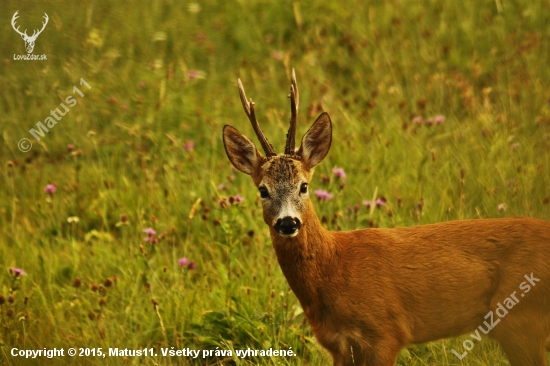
369	293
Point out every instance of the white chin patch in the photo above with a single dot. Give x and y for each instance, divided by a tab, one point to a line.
289	235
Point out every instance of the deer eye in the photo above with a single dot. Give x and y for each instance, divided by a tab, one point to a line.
263	192
303	188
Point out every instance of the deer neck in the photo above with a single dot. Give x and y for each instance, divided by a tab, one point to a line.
305	259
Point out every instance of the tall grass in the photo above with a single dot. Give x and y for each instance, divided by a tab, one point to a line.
146	152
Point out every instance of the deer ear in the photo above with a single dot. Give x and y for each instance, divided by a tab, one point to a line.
316	142
240	150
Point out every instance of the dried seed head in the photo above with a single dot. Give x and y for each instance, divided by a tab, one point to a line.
155	303
91	315
102	302
77	282
26	300
94	287
11	299
2	299
9	313
108	282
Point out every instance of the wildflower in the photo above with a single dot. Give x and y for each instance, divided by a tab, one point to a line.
417	119
185	262
222	187
238	198
77	282
50	189
70	147
323	195
17	272
502	207
11	299
380	202
439	119
429	122
189	146
150	235
339	172
196	74
73	219
150	232
123	218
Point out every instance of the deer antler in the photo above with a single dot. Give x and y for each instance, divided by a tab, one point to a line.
13	19
34	35
249	110
294	102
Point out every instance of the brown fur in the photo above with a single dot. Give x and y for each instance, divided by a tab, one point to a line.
369	293
377	290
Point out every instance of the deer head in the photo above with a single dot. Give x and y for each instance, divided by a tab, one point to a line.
29	40
283	179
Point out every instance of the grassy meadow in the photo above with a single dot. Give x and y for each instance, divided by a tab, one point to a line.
440	108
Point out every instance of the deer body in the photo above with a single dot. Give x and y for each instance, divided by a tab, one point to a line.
368	293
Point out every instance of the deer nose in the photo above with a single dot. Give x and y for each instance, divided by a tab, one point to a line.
288	225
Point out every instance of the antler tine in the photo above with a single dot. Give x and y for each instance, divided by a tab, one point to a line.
13	20
294	103
249	110
46	18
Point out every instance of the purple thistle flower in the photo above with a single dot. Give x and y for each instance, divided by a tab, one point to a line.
439	119
222	187
323	195
339	172
149	231
379	202
50	189
193	74
70	147
369	204
17	272
185	262
238	198
189	146
417	119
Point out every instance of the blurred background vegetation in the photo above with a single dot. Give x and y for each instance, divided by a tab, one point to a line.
439	108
